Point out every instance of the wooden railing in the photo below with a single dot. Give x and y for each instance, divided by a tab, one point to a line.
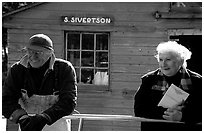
83	117
102	117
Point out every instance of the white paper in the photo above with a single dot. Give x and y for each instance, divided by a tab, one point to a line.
173	96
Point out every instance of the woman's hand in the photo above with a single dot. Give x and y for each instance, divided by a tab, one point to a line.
174	113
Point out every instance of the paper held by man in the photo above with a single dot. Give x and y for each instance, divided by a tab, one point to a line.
173	96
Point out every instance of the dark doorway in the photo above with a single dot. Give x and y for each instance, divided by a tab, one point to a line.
194	44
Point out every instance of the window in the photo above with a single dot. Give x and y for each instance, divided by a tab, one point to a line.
89	53
191	39
194	44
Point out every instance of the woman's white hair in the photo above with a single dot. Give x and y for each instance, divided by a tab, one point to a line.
172	46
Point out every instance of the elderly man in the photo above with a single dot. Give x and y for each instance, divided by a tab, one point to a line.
40	89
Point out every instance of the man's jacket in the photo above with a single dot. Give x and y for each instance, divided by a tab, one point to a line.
60	77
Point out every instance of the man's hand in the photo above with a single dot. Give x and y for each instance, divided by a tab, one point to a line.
32	123
24	121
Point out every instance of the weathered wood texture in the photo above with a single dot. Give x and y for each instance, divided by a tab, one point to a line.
133	39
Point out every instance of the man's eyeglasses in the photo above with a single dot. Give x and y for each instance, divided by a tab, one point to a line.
35	52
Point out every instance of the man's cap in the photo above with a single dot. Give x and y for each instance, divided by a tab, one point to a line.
40	41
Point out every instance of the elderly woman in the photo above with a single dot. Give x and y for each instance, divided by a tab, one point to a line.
172	69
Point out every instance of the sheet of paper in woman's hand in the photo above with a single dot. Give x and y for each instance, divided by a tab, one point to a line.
173	96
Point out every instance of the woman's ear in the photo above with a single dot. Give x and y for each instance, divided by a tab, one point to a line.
181	62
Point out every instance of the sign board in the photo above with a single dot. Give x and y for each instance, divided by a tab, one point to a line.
87	20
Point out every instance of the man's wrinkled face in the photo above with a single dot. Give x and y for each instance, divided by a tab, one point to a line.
169	63
38	57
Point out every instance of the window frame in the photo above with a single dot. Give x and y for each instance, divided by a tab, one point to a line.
80	67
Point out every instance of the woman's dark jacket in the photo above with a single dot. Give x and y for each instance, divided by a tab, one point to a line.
147	98
60	76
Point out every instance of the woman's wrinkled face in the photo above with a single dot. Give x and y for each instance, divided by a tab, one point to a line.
169	63
38	57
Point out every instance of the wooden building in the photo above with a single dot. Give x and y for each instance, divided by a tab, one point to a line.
111	45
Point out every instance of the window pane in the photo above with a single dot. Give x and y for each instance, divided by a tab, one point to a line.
101	77
87	75
87	58
101	59
74	57
102	42
87	41
73	41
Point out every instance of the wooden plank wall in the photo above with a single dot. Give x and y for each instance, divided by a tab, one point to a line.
133	39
